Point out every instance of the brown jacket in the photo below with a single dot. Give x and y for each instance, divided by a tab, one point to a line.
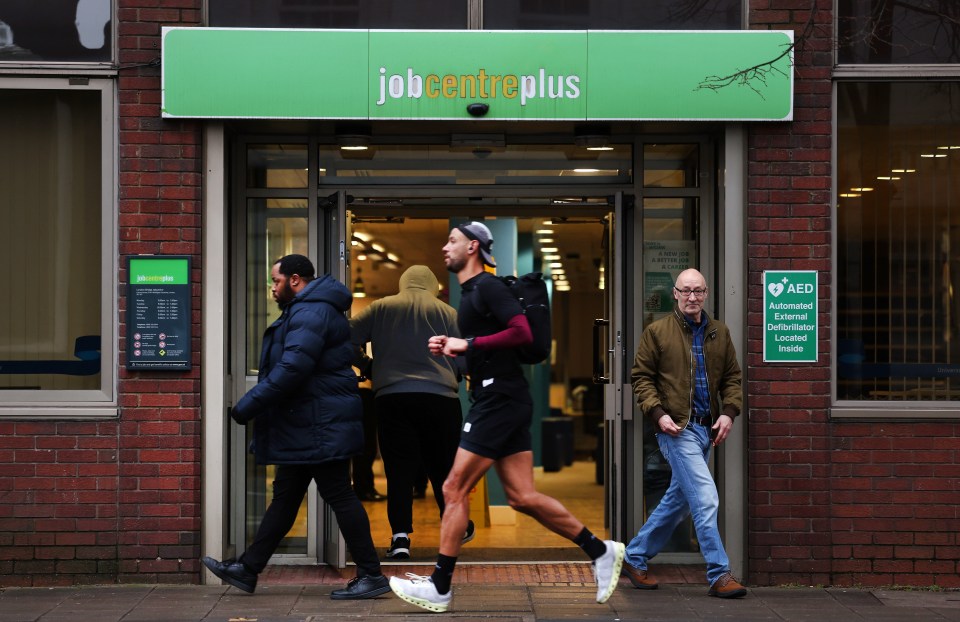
663	369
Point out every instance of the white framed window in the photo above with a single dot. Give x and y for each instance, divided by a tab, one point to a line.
896	352
58	223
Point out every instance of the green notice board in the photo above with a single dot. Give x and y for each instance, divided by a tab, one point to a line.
790	316
158	312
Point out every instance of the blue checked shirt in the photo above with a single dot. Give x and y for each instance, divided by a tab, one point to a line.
701	391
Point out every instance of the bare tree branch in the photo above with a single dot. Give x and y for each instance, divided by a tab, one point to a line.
927	26
756	76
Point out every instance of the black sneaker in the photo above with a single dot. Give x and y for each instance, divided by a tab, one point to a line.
359	588
469	533
399	549
233	572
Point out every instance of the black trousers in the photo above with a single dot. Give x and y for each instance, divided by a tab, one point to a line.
363	462
333	484
417	430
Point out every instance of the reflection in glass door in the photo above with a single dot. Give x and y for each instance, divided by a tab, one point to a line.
276	227
672	225
273	222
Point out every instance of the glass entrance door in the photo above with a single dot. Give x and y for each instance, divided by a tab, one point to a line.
676	221
610	363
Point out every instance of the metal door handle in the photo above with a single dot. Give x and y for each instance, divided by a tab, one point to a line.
598	353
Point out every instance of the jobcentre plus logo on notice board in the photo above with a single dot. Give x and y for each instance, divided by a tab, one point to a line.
790	316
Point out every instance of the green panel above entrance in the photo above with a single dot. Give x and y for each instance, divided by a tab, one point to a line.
412	75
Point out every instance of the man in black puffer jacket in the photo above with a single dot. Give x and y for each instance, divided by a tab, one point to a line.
308	422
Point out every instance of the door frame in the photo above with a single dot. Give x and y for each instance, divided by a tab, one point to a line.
338	257
219	491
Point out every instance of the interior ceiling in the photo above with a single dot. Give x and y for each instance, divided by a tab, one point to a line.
420	240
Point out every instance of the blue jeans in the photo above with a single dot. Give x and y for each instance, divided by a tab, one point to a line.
692	490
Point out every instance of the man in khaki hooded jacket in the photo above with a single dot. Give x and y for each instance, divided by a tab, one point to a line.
416	395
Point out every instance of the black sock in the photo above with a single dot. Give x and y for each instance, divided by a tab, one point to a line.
443	573
590	544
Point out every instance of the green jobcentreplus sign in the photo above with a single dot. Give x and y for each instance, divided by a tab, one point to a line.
790	316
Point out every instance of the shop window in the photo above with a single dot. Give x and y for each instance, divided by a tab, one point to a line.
885	32
408	14
612	14
57	335
898	266
56	31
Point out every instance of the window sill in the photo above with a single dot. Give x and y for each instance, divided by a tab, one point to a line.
901	411
61	413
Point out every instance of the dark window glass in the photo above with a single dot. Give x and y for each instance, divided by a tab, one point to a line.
51	168
409	14
671	166
55	30
611	14
907	31
277	166
898	270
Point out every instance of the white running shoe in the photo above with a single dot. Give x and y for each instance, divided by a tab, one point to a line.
421	591
606	570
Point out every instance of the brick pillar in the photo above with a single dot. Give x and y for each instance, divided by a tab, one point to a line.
161	174
788	225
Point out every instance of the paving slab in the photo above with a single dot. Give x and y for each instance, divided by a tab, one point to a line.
527	602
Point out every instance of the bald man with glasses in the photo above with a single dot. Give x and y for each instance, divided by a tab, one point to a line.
687	381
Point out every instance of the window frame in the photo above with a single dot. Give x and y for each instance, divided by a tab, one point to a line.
875	409
103	402
899	66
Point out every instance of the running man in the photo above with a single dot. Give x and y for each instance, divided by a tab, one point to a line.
497	429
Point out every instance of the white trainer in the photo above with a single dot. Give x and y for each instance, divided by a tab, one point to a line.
421	591
606	570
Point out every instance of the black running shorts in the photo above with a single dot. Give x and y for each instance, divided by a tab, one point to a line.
497	426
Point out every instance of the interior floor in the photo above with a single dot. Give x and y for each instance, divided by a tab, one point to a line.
524	540
560	573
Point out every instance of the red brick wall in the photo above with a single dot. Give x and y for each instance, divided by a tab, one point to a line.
58	502
119	500
829	502
161	174
896	504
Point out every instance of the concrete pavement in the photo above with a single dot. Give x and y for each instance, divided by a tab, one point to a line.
275	602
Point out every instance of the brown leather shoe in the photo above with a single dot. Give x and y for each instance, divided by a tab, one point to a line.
639	578
727	587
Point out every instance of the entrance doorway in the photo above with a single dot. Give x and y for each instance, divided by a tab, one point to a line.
609	229
389	236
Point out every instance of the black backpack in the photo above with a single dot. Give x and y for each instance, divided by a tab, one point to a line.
531	291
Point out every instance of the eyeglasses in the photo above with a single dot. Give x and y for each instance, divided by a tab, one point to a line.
699	293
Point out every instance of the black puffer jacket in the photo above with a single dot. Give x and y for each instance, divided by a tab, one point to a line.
306	403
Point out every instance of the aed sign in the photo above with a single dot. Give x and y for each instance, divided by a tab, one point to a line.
790	316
